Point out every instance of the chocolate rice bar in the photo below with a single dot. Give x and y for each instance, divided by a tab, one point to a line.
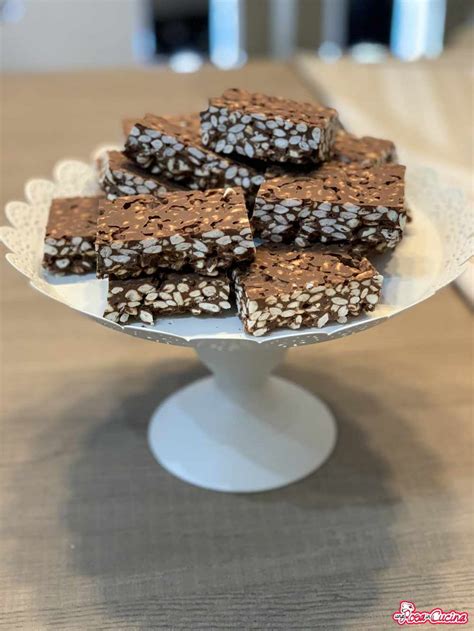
365	151
284	287
70	235
169	293
268	128
335	203
205	231
119	176
187	121
176	152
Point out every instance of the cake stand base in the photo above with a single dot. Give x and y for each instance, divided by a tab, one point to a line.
271	436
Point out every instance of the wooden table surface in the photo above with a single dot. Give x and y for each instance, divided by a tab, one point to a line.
95	535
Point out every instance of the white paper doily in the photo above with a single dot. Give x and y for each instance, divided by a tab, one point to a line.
435	250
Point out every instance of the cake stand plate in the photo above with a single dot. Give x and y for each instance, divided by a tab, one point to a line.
242	430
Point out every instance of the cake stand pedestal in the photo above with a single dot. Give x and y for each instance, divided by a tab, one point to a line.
242	430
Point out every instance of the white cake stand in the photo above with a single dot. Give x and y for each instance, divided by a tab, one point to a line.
243	430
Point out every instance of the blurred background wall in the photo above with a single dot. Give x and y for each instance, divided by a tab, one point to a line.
62	34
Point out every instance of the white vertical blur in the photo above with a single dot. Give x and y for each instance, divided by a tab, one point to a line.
226	36
283	27
144	38
335	21
334	24
12	10
417	28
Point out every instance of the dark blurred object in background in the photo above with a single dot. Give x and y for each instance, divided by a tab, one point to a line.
181	25
192	31
370	21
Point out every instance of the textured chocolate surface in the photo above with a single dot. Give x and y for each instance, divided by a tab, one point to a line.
169	293
70	235
378	186
190	121
203	230
119	176
187	121
284	287
268	128
365	151
162	147
335	203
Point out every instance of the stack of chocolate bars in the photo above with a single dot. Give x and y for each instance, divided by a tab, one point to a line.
183	202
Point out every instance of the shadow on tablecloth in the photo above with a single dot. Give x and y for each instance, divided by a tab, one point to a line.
137	549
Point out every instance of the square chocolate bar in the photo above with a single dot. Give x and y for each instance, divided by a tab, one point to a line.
268	127
283	287
119	177
70	235
364	152
206	231
170	293
335	203
176	152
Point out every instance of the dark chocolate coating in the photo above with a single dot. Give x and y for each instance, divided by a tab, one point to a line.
268	128
334	203
380	186
365	151
187	121
235	99
70	235
176	152
169	293
284	287
120	177
202	230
